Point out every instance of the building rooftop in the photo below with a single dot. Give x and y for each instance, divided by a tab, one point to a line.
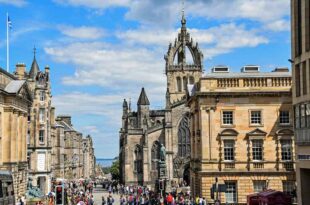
14	86
248	75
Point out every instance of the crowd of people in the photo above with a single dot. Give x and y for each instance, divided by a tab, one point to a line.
141	195
81	193
78	192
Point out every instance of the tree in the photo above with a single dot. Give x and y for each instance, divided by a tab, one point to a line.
114	170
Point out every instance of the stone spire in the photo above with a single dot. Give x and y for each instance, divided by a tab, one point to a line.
143	100
34	66
183	20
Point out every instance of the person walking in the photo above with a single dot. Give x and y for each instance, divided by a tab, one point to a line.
103	201
110	200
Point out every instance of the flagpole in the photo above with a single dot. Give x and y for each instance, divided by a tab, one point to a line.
7	44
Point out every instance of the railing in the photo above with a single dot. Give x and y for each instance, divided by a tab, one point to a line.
255	166
258	165
230	82
229	165
275	82
187	66
255	82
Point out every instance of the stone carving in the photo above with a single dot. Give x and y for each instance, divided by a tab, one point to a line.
162	153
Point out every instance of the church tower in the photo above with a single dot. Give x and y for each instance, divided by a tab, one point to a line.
184	64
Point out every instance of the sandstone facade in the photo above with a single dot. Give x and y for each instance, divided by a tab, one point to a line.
143	131
15	101
242	133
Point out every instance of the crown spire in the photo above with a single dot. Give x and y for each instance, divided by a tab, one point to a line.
183	21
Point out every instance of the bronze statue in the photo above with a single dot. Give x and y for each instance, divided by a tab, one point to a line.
162	153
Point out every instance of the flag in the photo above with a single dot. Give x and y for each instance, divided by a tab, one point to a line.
9	22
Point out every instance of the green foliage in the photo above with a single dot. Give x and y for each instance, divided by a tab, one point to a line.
114	170
105	170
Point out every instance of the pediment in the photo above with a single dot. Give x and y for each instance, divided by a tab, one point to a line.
257	132
285	132
24	92
229	132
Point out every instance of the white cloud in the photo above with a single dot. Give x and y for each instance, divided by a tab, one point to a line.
108	64
260	10
214	41
279	25
83	32
94	4
18	3
90	129
163	13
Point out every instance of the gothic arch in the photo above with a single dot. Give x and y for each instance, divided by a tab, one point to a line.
184	146
155	155
138	157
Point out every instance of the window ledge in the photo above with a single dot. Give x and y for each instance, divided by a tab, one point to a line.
228	126
256	125
285	124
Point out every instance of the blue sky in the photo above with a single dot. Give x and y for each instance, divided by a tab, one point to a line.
102	51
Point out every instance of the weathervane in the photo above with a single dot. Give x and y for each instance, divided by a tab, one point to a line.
183	8
34	50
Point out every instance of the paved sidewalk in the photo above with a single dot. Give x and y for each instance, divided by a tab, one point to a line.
99	192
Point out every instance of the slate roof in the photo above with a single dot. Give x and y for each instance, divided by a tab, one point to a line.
14	86
143	100
66	126
248	75
34	68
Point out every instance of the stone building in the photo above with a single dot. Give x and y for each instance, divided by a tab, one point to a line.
58	147
15	102
39	146
242	132
89	161
301	94
72	155
143	131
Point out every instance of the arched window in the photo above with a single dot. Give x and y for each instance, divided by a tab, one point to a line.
184	83
155	155
191	80
184	145
179	84
138	159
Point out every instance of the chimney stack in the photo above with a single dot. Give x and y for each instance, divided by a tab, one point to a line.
20	71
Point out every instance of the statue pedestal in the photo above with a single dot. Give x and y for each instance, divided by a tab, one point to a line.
162	170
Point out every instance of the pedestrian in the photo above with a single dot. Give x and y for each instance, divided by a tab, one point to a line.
110	200
122	200
103	201
90	200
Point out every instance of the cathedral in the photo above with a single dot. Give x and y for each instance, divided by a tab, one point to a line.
144	131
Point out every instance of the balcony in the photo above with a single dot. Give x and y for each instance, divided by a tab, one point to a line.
229	165
258	165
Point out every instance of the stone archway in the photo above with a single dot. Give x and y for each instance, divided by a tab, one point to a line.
181	170
186	175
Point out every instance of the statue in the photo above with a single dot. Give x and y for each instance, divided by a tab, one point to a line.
162	153
32	191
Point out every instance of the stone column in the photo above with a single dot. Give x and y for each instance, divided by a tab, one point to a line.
20	137
14	147
6	138
25	136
